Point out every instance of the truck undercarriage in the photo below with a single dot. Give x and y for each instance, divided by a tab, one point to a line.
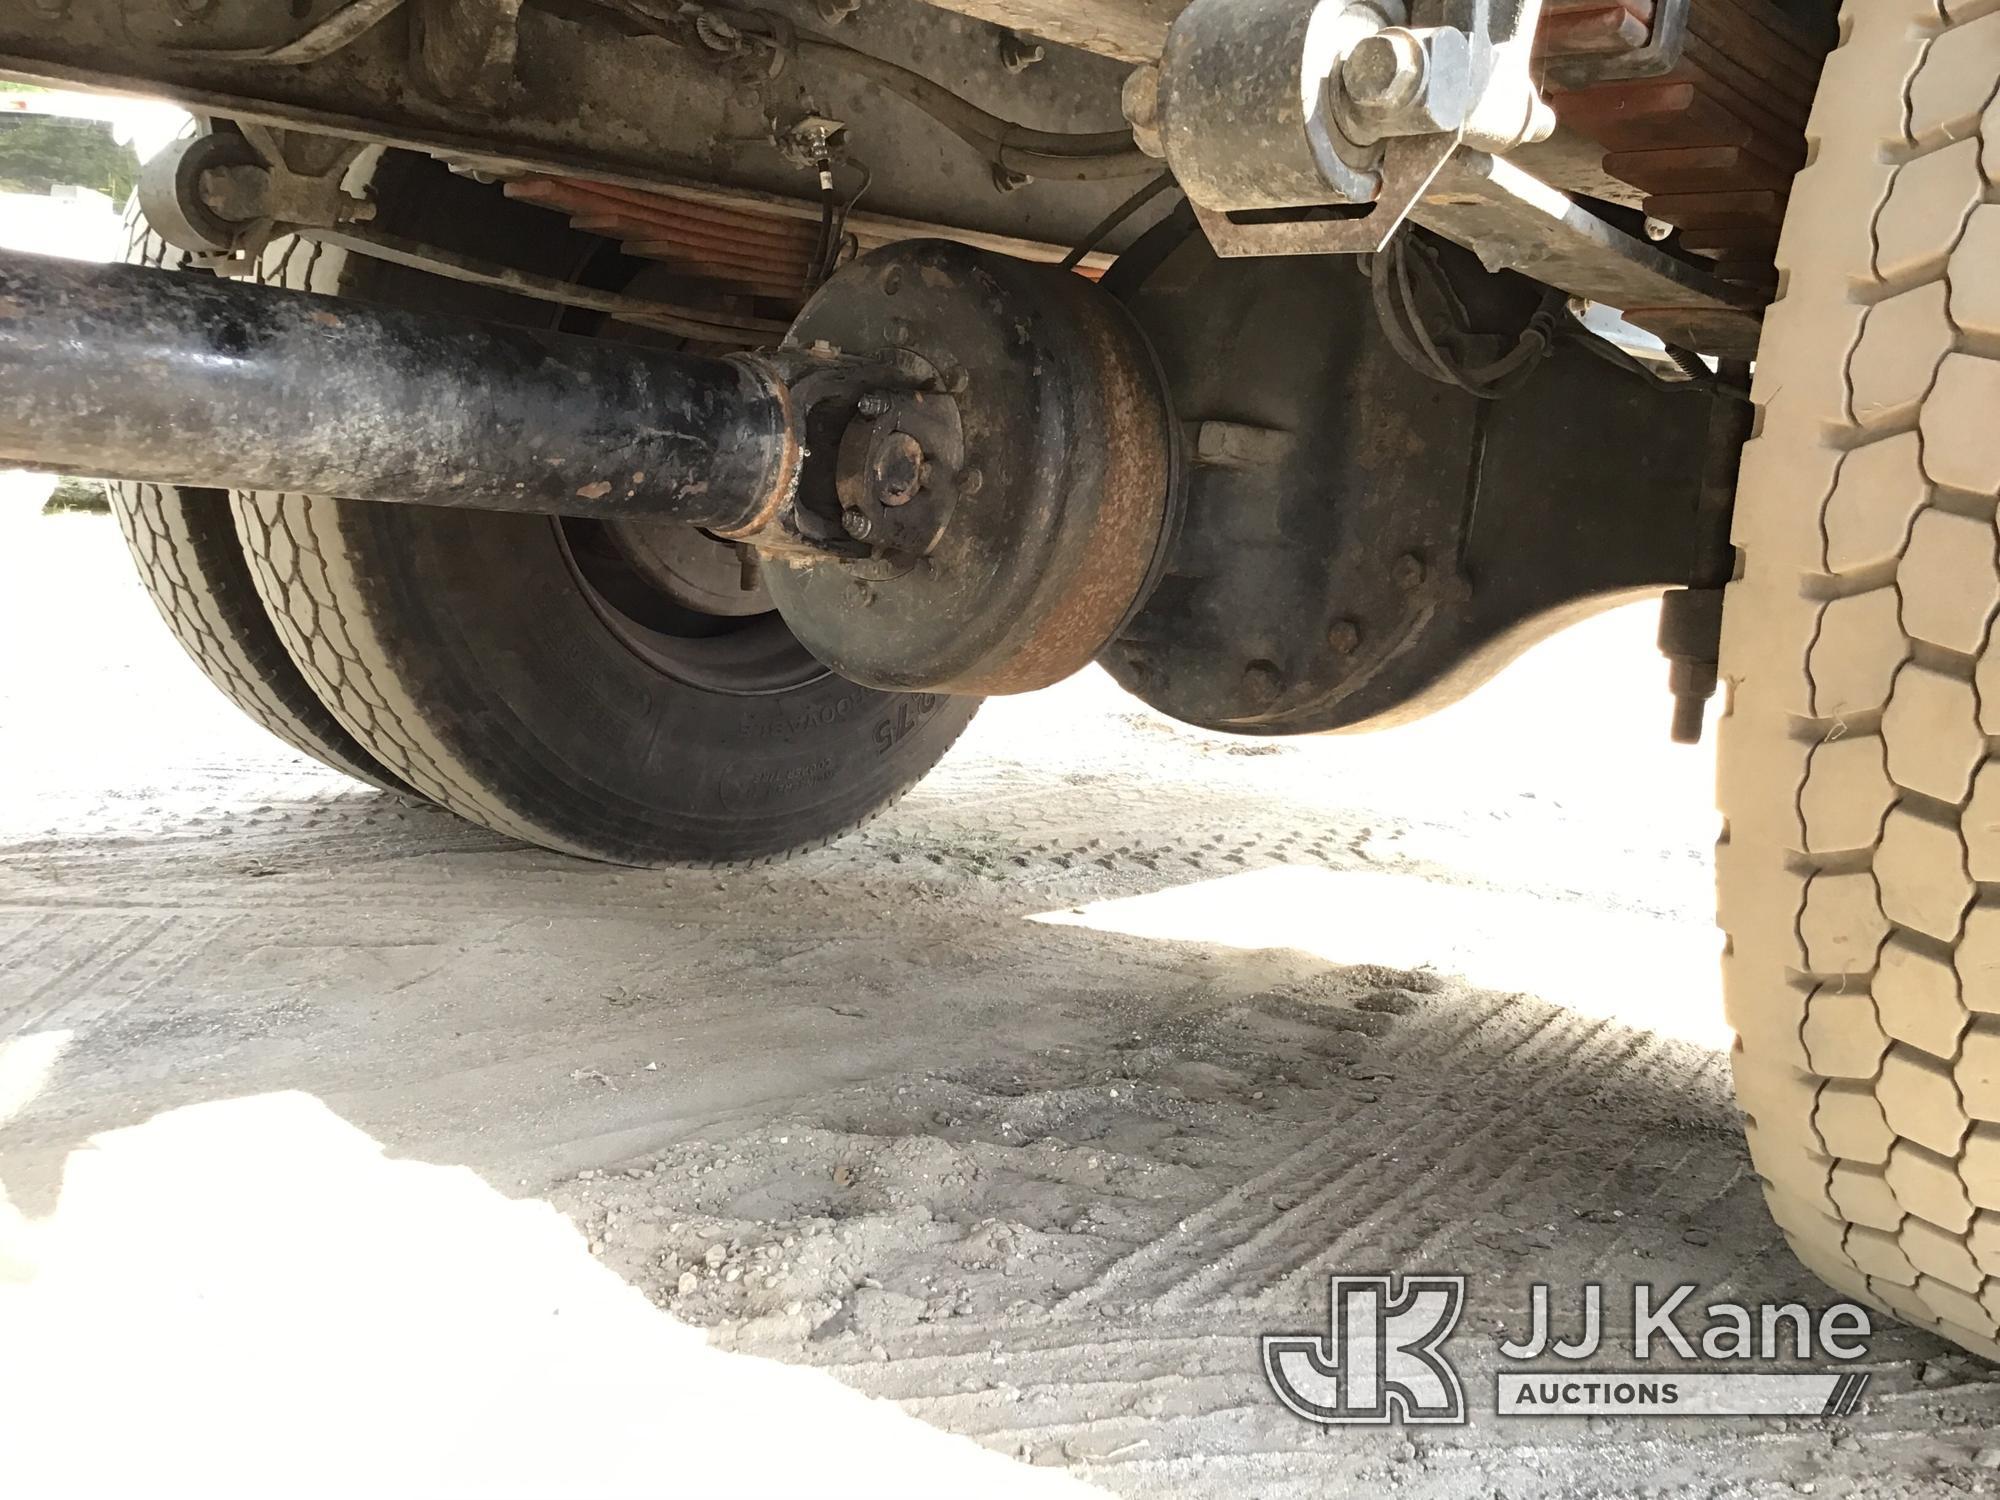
648	427
1591	157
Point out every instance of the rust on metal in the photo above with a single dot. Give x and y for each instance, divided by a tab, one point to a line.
1114	563
1712	145
750	249
791	454
743	245
1586	28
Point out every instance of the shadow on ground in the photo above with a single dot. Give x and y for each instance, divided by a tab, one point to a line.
527	1170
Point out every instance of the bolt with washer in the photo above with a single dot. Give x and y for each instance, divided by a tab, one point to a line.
1384	70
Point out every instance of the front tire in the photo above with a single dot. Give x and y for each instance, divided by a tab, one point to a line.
1861	799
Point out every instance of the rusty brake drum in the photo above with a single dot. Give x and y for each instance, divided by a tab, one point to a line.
1015	503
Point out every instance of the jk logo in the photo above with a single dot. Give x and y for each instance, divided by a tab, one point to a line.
1383	1362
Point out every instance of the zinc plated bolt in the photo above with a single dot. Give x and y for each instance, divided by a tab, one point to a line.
1384	70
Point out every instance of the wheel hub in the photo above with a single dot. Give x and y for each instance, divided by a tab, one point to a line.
1012	505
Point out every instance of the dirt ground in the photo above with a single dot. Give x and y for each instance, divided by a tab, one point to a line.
346	1146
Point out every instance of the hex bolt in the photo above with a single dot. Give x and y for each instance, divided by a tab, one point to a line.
1262	683
1658	229
873	405
1140	100
1408	572
857	525
236	195
1344	637
1384	70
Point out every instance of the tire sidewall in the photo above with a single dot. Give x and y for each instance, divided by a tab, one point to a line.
570	736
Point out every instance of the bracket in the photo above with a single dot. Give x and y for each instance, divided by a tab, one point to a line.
1410	164
225	195
1659	56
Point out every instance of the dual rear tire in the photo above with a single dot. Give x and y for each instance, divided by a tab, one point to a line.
491	663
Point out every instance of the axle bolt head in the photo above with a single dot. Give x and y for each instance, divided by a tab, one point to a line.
873	405
857	525
896	465
1408	572
1263	684
1344	637
1384	70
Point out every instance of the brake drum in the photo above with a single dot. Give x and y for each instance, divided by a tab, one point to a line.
1015	504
